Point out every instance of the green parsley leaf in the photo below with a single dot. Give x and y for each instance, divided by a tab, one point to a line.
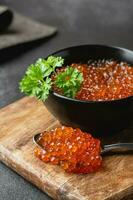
36	81
48	66
69	81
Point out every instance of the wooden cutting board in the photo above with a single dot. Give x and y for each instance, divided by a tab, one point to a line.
26	117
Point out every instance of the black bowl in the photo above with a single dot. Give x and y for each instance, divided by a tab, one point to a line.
99	118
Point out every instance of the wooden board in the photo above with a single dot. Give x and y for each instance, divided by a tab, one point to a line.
26	117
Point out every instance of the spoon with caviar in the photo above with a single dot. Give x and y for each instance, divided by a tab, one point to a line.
75	151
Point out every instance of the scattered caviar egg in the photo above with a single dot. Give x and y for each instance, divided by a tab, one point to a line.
104	80
75	151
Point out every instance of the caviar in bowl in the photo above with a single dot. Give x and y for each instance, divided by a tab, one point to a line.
100	117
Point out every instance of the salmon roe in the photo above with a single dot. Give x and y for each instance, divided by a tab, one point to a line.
75	151
105	80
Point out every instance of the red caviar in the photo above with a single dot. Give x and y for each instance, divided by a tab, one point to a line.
105	80
75	151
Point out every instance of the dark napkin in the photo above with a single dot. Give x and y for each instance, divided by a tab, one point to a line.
23	30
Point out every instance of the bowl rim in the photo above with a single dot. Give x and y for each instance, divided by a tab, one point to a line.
92	45
90	101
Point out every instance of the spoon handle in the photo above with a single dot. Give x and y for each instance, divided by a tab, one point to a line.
118	147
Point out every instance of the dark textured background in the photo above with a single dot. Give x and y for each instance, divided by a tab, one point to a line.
78	22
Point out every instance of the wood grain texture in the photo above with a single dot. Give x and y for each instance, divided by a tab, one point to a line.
26	117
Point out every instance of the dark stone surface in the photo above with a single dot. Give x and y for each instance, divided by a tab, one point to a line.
78	22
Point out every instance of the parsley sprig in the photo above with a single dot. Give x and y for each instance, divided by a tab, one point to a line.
69	81
37	81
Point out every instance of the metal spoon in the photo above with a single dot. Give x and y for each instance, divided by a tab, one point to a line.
115	148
